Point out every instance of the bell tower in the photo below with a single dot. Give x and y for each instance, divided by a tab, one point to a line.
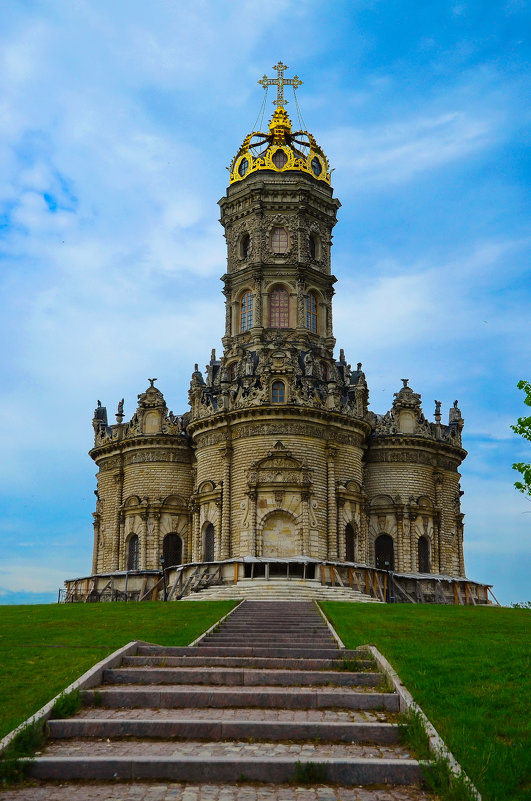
278	215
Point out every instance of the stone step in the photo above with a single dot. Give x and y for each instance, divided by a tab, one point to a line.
331	715
201	650
241	662
232	677
223	730
353	771
188	696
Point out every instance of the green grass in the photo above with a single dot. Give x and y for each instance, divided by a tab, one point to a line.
468	668
44	648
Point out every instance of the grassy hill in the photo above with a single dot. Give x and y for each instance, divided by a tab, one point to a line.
468	668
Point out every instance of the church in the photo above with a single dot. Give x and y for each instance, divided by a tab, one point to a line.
278	469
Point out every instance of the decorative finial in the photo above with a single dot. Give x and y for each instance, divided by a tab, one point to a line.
152	381
405	381
280	82
437	411
359	366
120	411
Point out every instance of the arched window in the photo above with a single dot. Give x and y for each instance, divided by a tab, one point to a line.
246	311
132	552
384	552
278	392
279	240
350	544
313	246
279	309
423	547
311	312
209	543
245	246
172	550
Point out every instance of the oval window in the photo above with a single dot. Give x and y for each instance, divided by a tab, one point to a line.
316	167
279	159
244	165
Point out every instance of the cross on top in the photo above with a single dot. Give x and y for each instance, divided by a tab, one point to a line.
280	83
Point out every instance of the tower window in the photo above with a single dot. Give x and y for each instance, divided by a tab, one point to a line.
132	552
209	543
316	167
279	240
311	313
279	159
245	246
172	550
279	311
242	169
246	311
312	244
278	392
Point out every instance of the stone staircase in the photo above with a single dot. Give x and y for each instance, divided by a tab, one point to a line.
280	589
266	706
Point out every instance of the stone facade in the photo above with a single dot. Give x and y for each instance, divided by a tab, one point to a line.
279	455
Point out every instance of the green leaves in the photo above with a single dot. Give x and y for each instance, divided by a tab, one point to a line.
523	428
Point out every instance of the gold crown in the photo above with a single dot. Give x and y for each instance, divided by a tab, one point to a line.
280	150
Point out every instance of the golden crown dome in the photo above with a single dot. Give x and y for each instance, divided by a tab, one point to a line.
280	149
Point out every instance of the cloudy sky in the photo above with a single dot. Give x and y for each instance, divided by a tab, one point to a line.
119	118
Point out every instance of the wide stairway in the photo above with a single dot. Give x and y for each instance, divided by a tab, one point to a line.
266	706
280	589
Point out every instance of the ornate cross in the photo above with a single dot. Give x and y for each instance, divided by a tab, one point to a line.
280	83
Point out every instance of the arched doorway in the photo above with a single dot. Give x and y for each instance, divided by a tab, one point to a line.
423	547
172	550
209	543
384	552
280	537
132	552
350	543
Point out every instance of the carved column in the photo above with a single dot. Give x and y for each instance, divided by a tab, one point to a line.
157	545
122	556
438	480
196	534
341	528
228	308
301	302
459	536
305	502
364	530
329	326
143	544
257	317
95	553
253	544
226	455
331	453
403	561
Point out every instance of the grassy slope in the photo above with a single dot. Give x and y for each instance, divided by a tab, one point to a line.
468	668
44	648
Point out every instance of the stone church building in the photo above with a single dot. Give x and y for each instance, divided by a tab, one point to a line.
278	459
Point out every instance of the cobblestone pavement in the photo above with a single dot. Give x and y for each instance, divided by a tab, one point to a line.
291	715
210	792
233	749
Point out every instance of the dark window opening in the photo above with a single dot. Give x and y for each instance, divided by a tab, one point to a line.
209	543
350	544
132	552
424	555
384	552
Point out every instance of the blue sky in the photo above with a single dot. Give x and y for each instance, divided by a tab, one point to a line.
118	121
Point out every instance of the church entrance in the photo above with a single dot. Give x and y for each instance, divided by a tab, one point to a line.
172	550
280	537
384	552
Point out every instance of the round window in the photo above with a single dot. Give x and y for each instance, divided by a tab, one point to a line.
316	167
279	159
244	165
